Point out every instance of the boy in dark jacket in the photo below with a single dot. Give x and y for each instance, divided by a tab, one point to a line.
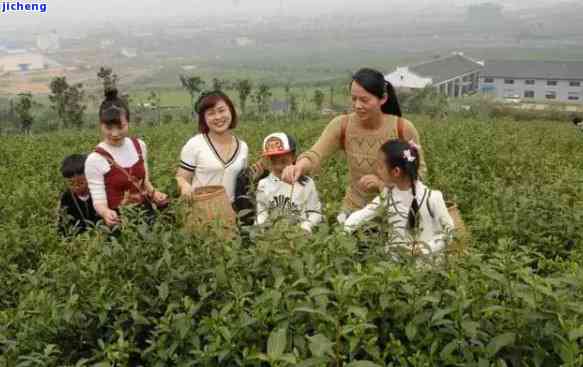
76	211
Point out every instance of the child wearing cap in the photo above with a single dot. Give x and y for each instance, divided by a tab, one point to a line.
275	196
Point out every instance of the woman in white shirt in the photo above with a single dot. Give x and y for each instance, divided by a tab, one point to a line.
117	171
420	217
215	156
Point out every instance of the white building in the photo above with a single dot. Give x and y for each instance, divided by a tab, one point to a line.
454	75
129	52
22	62
106	43
534	80
244	41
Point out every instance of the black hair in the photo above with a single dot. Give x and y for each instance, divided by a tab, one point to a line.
112	108
577	120
73	165
293	145
399	153
374	82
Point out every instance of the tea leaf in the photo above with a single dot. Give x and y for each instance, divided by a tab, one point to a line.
320	345
411	331
576	334
362	364
440	314
163	291
446	352
500	342
313	362
276	343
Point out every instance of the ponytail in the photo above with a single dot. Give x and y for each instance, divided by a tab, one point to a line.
113	108
391	106
374	82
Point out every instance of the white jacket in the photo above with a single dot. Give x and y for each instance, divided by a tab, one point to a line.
435	221
275	195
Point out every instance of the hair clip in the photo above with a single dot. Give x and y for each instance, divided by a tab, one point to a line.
408	155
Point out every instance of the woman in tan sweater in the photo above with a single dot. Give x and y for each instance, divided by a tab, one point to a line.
376	118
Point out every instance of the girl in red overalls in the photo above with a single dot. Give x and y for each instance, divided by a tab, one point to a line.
117	171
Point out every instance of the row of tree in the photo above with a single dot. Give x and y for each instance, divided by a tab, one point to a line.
67	100
261	94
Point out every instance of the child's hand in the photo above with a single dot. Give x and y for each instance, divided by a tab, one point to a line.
159	197
306	226
110	217
370	183
186	196
186	191
292	173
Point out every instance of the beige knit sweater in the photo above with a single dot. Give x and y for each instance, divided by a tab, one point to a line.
361	147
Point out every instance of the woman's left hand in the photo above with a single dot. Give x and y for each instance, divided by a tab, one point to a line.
371	183
160	198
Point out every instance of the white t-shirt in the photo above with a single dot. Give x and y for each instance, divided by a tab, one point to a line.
396	204
96	166
200	157
275	195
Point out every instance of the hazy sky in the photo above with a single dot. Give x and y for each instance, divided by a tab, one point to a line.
74	11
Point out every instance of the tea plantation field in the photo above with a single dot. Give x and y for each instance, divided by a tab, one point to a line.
155	297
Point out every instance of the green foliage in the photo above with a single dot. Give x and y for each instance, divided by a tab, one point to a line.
221	84
67	102
427	101
262	98
23	107
153	296
244	88
58	88
155	105
108	78
194	85
318	99
167	119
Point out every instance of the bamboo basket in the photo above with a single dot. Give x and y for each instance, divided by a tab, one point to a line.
210	212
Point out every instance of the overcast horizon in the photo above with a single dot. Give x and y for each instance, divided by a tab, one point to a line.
94	12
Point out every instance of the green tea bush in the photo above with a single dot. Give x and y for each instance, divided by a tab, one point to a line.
153	296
